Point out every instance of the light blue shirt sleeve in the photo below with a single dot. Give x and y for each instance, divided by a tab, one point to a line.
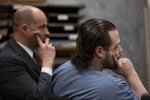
115	89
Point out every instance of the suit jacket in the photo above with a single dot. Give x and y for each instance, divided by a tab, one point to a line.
20	77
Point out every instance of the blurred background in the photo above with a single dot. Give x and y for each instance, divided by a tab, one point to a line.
132	17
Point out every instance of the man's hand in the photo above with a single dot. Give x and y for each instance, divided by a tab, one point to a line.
126	69
47	52
124	66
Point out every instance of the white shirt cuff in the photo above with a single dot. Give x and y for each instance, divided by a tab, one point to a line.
47	70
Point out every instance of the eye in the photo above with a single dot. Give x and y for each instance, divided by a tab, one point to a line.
43	27
117	47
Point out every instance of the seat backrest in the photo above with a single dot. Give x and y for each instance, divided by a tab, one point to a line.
145	97
1	98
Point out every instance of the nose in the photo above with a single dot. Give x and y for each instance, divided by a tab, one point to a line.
120	48
46	32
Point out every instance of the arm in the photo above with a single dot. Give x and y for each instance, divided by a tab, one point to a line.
17	83
126	69
47	53
19	80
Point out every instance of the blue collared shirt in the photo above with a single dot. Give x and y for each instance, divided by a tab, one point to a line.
90	85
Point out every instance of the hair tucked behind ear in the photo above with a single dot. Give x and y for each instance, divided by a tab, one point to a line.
91	33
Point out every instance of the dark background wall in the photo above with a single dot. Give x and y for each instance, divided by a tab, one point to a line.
128	16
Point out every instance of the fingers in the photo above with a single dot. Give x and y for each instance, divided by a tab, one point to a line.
41	43
115	61
47	41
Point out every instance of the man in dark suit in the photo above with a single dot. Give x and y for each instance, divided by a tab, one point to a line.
21	76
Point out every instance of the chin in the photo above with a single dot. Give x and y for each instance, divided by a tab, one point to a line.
111	67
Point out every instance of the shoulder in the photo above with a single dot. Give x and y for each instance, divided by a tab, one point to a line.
64	67
10	57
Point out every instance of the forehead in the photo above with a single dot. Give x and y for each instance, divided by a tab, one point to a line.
39	16
114	36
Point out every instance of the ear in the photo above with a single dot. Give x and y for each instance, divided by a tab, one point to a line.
24	28
99	51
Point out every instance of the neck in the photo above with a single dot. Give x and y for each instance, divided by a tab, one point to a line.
95	64
22	41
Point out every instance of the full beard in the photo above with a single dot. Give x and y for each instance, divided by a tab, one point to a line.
108	63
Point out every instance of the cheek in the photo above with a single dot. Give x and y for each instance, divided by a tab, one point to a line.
41	36
111	54
108	62
110	57
117	54
34	40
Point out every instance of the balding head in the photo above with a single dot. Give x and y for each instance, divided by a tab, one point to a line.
24	15
28	22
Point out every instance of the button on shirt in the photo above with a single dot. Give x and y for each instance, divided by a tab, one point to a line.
30	52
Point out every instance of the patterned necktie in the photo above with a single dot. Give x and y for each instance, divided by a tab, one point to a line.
37	58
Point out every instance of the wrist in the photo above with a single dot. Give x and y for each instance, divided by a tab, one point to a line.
47	64
131	76
135	82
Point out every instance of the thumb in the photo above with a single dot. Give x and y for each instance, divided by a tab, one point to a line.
115	61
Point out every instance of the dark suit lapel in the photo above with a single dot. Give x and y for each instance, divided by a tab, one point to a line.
23	54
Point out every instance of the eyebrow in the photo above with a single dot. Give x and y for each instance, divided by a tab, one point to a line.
42	26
